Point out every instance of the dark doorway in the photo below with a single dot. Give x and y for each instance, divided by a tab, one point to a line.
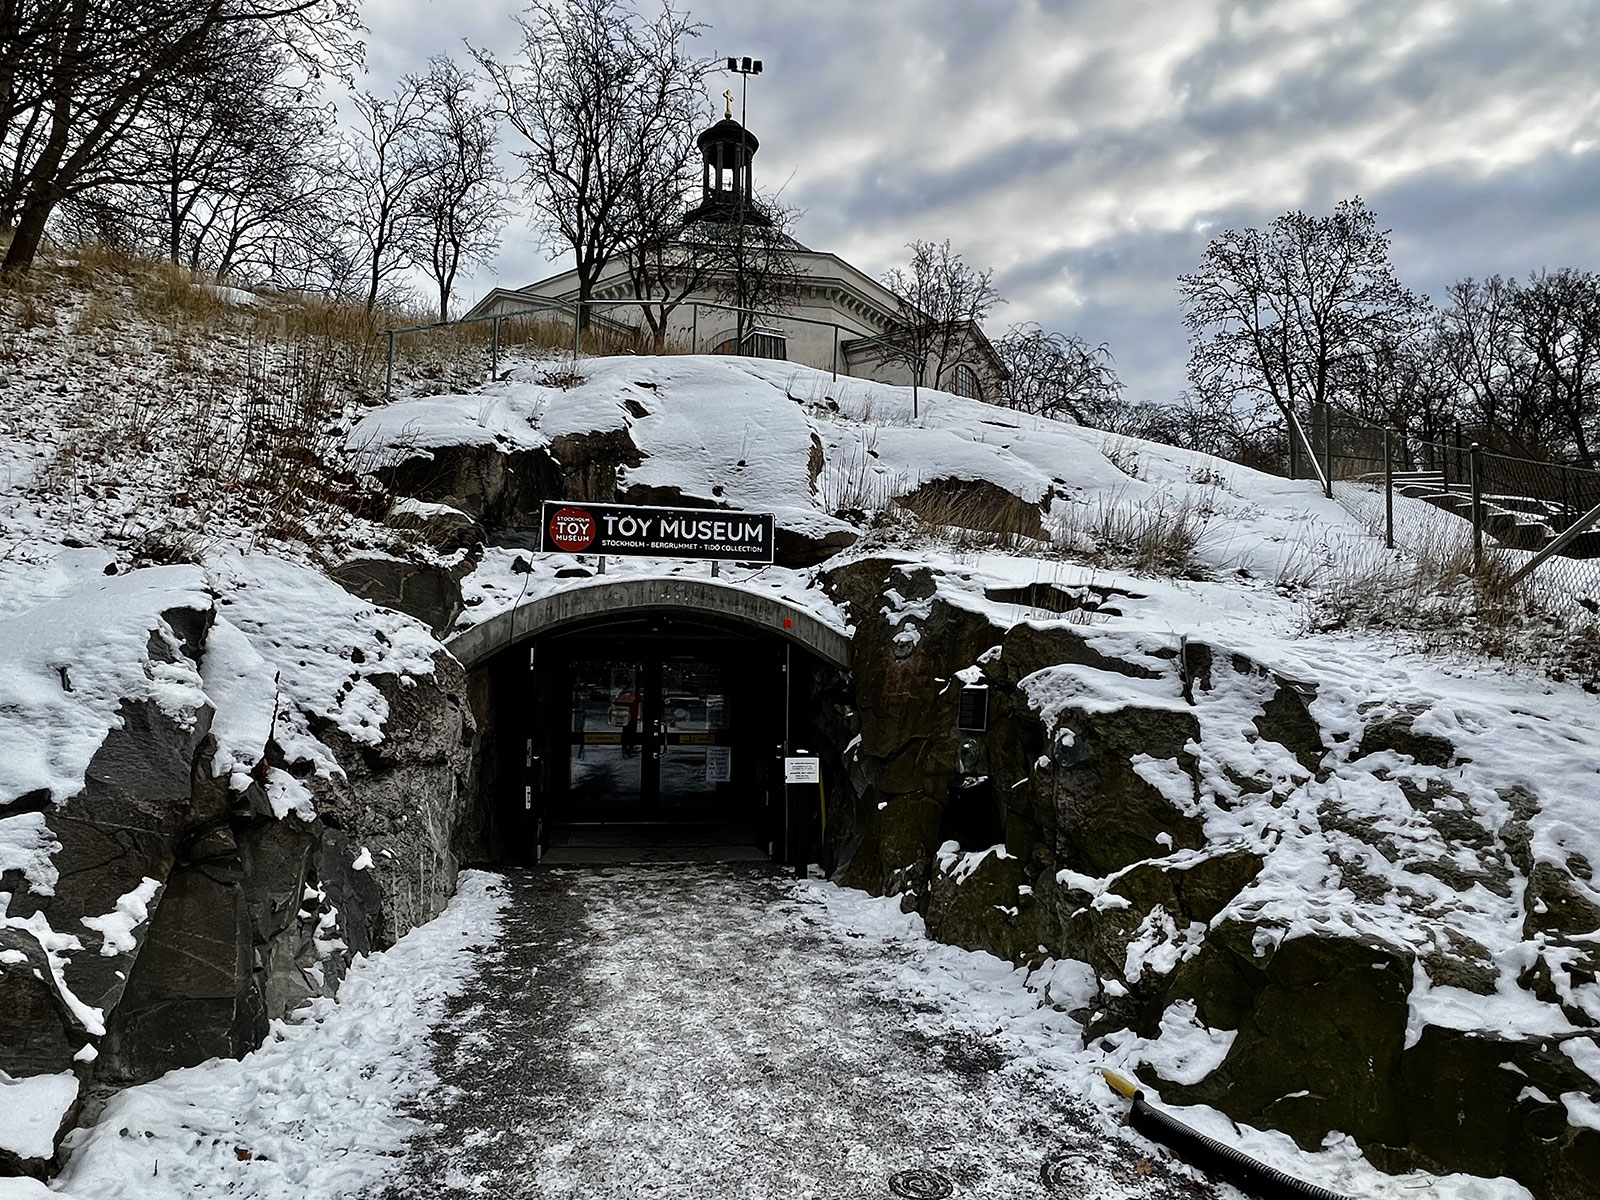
652	739
659	730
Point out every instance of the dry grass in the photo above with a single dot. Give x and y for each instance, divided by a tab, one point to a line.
183	416
973	514
438	358
861	487
1158	534
1433	596
1122	454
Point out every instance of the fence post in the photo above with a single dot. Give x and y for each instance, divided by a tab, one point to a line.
1294	445
494	349
1475	472
577	329
388	367
836	354
694	332
1388	490
1327	449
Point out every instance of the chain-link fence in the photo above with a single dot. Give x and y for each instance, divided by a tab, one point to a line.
1451	496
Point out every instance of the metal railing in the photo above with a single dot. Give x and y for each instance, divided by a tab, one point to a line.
573	309
1416	490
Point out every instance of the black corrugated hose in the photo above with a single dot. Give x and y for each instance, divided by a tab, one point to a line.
1212	1156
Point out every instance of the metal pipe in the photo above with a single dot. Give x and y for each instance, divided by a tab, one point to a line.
1297	432
577	329
494	349
1327	450
1211	1156
1475	471
1561	542
836	354
388	369
1388	490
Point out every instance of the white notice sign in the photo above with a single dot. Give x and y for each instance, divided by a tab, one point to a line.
719	764
802	770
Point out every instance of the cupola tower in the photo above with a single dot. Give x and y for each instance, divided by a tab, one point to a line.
726	191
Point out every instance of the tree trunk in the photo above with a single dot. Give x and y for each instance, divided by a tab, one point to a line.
28	236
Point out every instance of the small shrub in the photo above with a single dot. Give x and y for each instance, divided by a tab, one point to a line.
565	377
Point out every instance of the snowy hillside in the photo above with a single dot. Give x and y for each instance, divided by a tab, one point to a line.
1442	806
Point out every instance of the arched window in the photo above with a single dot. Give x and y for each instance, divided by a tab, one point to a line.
966	382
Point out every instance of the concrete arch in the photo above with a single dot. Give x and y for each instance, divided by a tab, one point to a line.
600	598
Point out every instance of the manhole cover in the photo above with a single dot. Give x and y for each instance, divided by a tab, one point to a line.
1062	1173
920	1183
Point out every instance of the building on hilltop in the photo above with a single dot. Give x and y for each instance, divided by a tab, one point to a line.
826	313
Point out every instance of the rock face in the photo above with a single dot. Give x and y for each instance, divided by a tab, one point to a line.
493	487
1102	817
220	914
422	590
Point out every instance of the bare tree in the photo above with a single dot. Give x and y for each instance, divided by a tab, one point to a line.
595	94
1523	362
667	261
1558	326
1058	374
461	203
1286	313
1475	342
1245	429
751	262
220	162
82	85
387	163
28	28
1399	381
941	301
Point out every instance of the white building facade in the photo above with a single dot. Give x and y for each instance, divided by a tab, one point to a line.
832	317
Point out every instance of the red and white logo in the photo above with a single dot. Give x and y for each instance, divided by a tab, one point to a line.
572	529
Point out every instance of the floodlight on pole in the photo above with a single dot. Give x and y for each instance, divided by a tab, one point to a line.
744	67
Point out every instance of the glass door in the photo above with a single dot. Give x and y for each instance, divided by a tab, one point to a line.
693	732
606	779
652	739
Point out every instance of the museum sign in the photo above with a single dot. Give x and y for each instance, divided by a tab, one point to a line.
571	527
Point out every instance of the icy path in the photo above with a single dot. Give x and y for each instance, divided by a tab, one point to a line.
719	1031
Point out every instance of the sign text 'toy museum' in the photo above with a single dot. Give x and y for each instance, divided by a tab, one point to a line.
575	528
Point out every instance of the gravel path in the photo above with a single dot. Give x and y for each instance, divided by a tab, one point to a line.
713	1031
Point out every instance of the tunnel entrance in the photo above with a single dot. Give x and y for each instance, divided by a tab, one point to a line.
658	729
647	720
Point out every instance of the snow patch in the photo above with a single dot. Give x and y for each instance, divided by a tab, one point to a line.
117	926
31	1110
317	1111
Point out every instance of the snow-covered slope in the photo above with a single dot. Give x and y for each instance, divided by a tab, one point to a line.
102	536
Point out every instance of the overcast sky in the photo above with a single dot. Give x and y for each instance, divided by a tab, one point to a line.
1087	149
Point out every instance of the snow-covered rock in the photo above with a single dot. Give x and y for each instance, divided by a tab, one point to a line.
194	758
1363	877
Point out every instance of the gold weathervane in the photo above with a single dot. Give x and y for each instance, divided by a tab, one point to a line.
728	113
